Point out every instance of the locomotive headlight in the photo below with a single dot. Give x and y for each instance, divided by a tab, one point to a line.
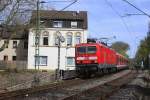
92	58
80	58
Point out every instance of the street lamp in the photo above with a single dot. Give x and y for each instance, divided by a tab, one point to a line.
60	39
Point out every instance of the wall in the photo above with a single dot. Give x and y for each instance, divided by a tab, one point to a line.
11	65
51	51
20	52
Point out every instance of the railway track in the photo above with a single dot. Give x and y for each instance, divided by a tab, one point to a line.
22	92
104	91
76	89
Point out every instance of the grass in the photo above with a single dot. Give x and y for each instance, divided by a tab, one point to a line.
4	72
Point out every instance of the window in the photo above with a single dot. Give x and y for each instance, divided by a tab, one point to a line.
57	24
6	43
25	44
69	40
70	61
45	40
14	44
5	58
81	50
78	39
45	37
14	58
74	24
41	60
91	49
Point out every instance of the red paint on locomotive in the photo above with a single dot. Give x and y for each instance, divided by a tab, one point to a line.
93	57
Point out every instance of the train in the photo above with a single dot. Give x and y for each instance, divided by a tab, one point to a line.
96	58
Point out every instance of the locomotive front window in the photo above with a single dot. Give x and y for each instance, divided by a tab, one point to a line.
81	49
91	49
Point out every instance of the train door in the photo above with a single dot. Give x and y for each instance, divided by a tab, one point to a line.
102	56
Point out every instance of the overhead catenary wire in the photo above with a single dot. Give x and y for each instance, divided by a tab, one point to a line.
117	13
136	8
65	7
123	21
70	4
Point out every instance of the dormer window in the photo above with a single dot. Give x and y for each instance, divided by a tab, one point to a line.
73	24
74	13
42	21
57	24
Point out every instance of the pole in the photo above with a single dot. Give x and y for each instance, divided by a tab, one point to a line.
149	61
37	41
58	70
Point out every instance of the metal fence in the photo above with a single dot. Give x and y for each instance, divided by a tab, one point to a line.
19	65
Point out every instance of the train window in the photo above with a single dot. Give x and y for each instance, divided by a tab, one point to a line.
91	49
81	49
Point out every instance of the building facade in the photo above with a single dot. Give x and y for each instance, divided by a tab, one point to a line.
13	44
71	25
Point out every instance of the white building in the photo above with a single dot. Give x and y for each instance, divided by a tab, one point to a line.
72	26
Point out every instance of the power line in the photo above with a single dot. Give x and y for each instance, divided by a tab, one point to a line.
74	1
69	5
117	13
136	8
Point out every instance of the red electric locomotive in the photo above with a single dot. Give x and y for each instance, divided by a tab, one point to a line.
92	58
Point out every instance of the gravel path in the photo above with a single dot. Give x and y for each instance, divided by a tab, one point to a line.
136	90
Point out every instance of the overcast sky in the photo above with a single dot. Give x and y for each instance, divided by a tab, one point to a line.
104	19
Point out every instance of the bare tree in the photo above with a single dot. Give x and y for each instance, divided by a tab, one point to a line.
15	12
16	8
4	4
